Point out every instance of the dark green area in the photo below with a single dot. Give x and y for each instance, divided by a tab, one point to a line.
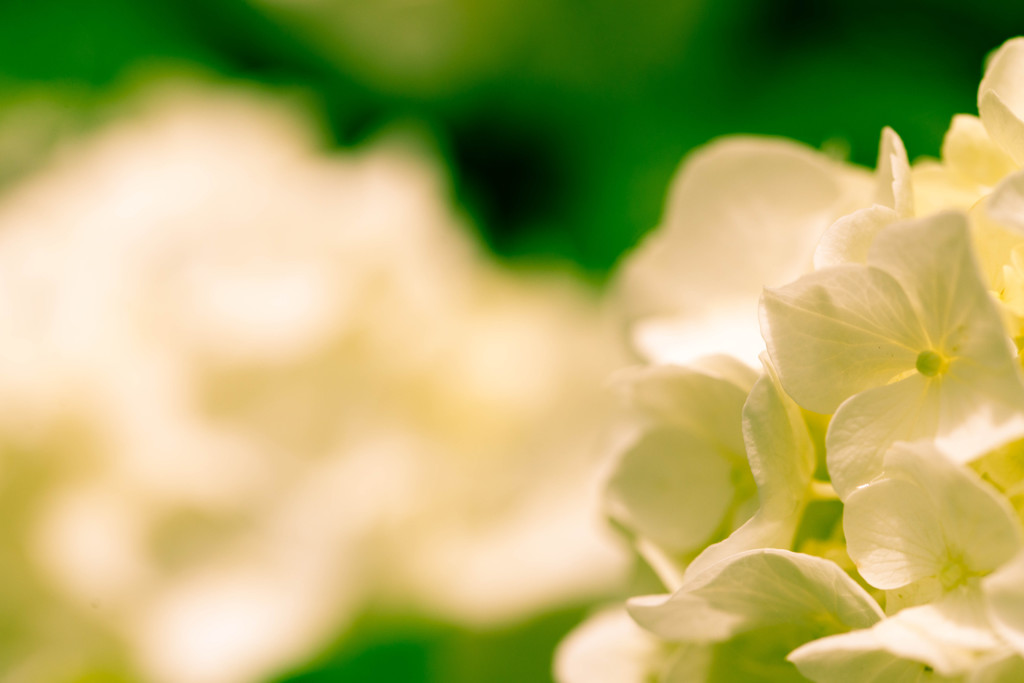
396	648
563	143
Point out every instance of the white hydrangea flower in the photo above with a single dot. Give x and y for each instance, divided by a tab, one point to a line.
907	346
927	533
892	398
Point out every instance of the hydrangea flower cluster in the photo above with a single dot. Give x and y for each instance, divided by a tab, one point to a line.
852	510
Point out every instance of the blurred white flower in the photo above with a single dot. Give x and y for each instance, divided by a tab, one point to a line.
250	387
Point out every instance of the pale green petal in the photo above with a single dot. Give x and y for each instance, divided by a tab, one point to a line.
993	244
839	331
893	188
782	459
759	588
849	238
758	655
671	487
969	150
609	648
951	635
998	669
858	657
1001	98
1006	203
779	448
690	664
903	645
742	213
1004	591
706	403
927	518
937	188
680	475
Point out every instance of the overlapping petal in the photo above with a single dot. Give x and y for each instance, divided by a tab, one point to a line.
782	460
916	328
928	518
742	213
759	588
679	478
1001	98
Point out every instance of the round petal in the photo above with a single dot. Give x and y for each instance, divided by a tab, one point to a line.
1001	98
928	518
839	331
742	213
969	150
849	239
672	488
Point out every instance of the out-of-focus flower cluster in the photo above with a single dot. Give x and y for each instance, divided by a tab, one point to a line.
249	388
852	510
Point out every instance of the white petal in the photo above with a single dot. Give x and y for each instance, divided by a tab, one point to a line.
782	460
608	648
858	657
672	488
1006	203
839	331
981	398
685	340
866	425
1004	591
969	150
742	213
906	646
937	188
927	518
707	403
779	447
1001	98
849	238
993	244
890	535
760	588
951	636
933	261
894	189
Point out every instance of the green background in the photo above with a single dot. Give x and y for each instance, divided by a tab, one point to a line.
561	121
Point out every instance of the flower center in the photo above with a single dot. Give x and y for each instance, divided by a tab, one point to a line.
954	573
931	363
